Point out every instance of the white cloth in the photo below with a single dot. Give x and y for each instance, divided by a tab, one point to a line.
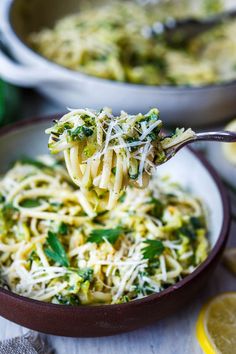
30	343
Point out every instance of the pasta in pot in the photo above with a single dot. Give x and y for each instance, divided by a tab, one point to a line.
104	153
52	249
113	42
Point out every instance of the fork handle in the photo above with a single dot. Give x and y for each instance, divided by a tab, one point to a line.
223	136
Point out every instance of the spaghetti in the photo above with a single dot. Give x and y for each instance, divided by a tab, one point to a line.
105	153
112	41
52	248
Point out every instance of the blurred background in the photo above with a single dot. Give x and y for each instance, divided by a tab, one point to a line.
120	54
130	54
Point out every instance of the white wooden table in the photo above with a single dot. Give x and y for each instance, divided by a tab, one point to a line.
174	335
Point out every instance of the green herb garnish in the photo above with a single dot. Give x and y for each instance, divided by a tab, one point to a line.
56	251
187	231
80	133
197	223
2	198
87	131
122	197
133	169
132	140
190	229
86	274
33	257
111	235
71	299
63	229
113	170
154	248
158	208
30	203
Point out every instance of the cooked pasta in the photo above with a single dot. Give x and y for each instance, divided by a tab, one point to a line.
112	42
52	248
104	153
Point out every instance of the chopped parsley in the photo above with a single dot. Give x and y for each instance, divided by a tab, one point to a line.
190	229
2	198
70	299
63	229
111	235
86	274
122	197
56	251
30	203
154	248
113	170
158	208
80	133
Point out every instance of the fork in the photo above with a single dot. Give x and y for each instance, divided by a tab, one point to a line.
219	136
179	31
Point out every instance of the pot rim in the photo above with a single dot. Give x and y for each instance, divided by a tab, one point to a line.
215	251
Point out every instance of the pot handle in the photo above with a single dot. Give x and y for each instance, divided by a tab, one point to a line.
28	76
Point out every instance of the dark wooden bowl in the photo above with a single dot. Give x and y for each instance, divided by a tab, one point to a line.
91	321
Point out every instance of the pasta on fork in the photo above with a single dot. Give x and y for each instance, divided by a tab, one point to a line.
106	153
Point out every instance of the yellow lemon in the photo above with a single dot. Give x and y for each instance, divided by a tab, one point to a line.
229	149
216	325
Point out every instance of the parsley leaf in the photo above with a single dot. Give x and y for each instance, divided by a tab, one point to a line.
30	203
158	208
63	229
122	197
154	248
197	222
111	235
85	273
113	170
2	198
186	231
80	133
56	251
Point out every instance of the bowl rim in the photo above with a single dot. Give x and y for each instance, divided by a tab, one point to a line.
178	89
222	238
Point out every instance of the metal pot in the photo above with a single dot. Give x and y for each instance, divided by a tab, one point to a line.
192	106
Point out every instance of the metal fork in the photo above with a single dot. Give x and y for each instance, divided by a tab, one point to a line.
179	31
220	136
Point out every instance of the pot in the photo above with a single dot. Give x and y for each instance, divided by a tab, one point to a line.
190	106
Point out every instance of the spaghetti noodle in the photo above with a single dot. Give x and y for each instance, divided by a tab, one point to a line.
52	248
104	153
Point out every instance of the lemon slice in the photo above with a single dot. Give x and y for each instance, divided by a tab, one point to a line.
229	259
229	150
216	325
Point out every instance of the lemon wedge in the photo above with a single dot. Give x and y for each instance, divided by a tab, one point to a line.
229	150
229	259
216	325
